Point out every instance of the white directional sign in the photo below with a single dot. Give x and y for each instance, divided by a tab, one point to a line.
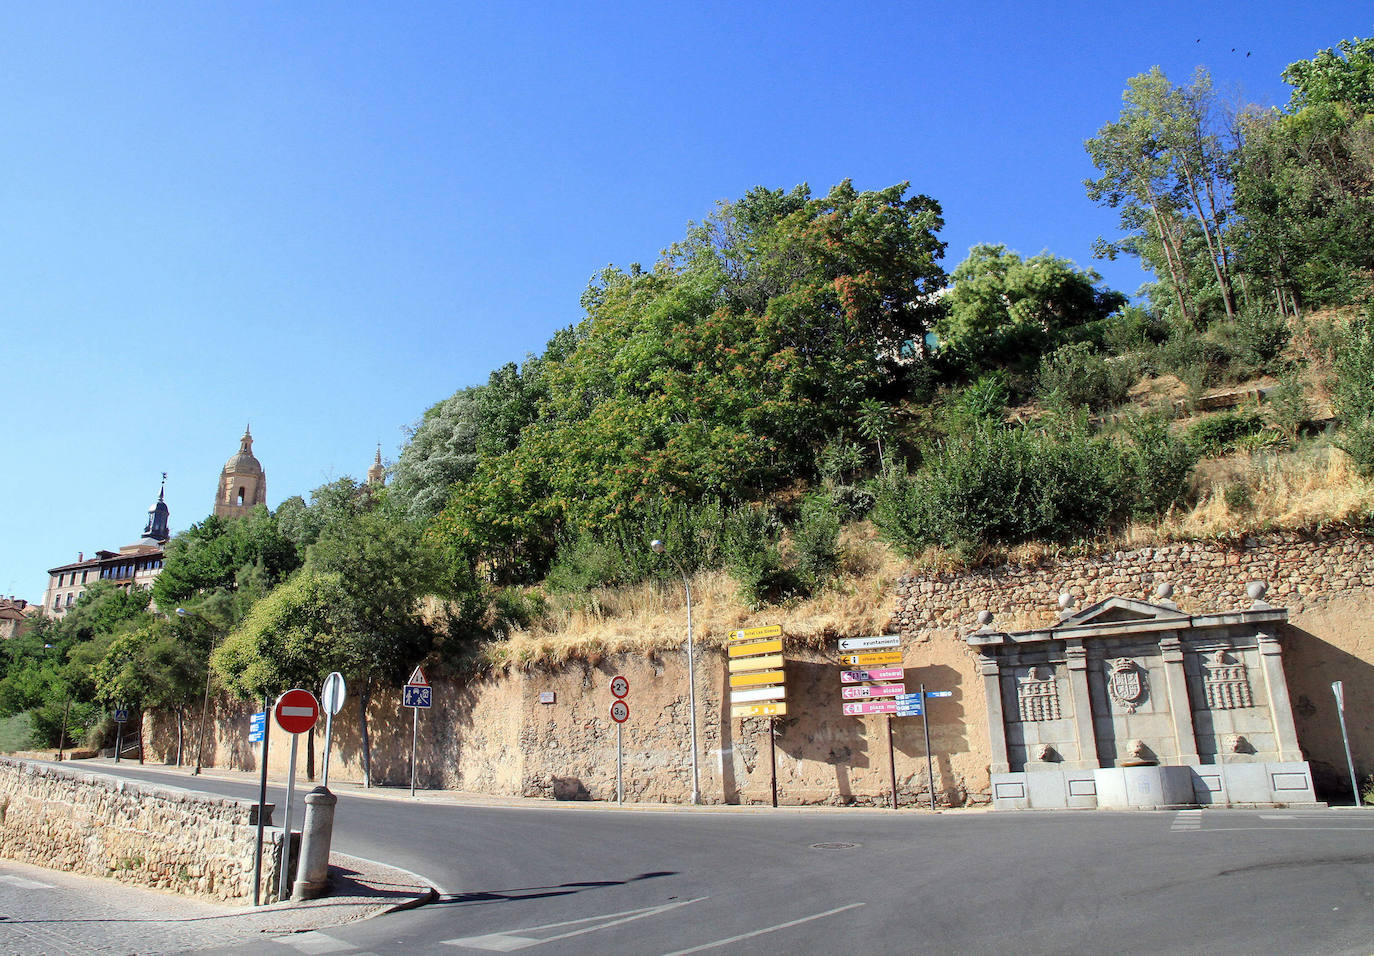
869	643
332	694
762	693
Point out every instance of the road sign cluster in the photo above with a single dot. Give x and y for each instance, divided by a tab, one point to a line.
869	682
620	707
417	692
758	684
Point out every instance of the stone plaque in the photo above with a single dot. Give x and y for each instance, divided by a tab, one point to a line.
1126	683
1038	697
1225	683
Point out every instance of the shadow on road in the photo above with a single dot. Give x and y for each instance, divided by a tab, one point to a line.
541	892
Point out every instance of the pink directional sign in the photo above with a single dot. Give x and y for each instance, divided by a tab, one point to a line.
858	708
877	690
881	673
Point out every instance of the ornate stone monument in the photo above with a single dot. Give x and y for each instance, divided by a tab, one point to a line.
1130	703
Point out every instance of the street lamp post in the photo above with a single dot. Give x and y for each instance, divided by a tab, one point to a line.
658	548
204	707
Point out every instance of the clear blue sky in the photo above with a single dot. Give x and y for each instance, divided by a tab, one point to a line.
325	217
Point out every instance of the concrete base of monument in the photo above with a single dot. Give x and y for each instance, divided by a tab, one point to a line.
1153	787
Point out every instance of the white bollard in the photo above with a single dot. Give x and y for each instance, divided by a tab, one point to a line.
312	873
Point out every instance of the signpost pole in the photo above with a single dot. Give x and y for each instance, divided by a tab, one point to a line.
62	737
930	760
328	743
619	769
282	885
414	737
773	757
119	738
1338	689
262	802
892	761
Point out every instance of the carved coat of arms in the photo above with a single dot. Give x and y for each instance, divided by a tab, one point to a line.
1126	683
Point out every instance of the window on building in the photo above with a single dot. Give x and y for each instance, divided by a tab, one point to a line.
70	598
83	576
57	603
240	497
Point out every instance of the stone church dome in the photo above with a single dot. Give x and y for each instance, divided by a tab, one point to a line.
244	463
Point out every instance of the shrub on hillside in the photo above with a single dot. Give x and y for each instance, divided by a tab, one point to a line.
752	556
1158	464
815	542
1260	336
1221	434
995	485
1353	400
1078	375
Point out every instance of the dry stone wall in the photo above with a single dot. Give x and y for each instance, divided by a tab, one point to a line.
159	837
493	735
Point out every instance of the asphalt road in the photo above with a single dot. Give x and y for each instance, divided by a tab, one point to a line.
593	879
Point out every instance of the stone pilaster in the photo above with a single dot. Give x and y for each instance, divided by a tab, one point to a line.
997	727
1176	692
1076	659
1276	686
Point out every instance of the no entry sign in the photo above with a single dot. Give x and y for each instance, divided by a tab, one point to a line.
296	711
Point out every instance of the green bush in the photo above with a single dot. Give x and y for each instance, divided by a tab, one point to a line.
1353	400
1237	498
1078	375
1158	463
995	485
851	502
752	556
815	541
1221	434
1260	336
1289	408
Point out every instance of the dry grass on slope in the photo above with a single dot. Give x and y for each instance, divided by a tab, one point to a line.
1312	488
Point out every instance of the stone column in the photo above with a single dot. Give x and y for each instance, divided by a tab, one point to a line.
991	670
1076	659
1180	709
1280	707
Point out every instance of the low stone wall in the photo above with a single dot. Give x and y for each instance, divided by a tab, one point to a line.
159	837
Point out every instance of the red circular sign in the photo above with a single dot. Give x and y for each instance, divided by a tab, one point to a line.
619	686
296	711
620	712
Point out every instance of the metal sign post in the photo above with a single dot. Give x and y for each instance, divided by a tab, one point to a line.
331	699
262	808
416	694
296	712
930	760
773	757
1338	689
121	714
620	712
892	761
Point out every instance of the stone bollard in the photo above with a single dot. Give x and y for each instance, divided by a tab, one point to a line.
312	873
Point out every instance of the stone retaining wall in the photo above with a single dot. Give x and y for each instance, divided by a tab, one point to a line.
159	837
492	735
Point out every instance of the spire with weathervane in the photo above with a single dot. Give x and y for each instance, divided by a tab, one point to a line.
376	475
156	528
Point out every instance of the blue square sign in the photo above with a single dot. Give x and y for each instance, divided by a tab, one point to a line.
418	695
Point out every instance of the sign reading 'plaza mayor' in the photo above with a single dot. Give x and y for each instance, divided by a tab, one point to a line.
871	696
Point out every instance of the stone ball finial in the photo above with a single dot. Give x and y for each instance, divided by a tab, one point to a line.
984	618
1066	601
1164	591
1257	590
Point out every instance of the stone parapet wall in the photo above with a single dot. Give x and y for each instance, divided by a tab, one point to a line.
159	837
1300	569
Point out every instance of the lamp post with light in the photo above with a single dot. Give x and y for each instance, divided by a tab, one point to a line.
657	546
204	705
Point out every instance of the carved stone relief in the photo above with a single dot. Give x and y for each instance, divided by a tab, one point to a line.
1038	697
1126	683
1225	682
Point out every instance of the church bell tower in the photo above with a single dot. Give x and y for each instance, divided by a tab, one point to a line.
242	483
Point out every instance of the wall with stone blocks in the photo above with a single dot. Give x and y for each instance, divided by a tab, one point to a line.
159	837
492	735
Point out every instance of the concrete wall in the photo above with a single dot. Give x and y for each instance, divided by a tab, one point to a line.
493	736
159	837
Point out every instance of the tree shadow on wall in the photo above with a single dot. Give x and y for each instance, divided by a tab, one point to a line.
946	718
1310	665
816	728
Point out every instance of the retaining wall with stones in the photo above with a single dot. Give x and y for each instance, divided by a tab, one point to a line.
159	837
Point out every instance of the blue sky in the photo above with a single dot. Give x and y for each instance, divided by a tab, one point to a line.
323	218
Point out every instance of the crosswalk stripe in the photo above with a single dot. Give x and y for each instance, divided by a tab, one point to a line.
1187	820
314	943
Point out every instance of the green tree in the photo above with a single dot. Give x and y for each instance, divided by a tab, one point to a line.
1353	400
1004	311
212	553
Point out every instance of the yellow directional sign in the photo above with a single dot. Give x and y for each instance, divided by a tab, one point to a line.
759	710
753	633
757	647
867	660
760	663
762	677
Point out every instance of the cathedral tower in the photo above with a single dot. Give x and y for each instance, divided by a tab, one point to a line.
242	484
376	475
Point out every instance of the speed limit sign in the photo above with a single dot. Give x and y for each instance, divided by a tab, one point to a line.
619	686
620	712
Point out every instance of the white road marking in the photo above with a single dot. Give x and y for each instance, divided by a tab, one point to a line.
766	929
1187	820
508	941
23	884
314	943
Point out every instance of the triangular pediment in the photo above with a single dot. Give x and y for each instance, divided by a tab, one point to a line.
1119	610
